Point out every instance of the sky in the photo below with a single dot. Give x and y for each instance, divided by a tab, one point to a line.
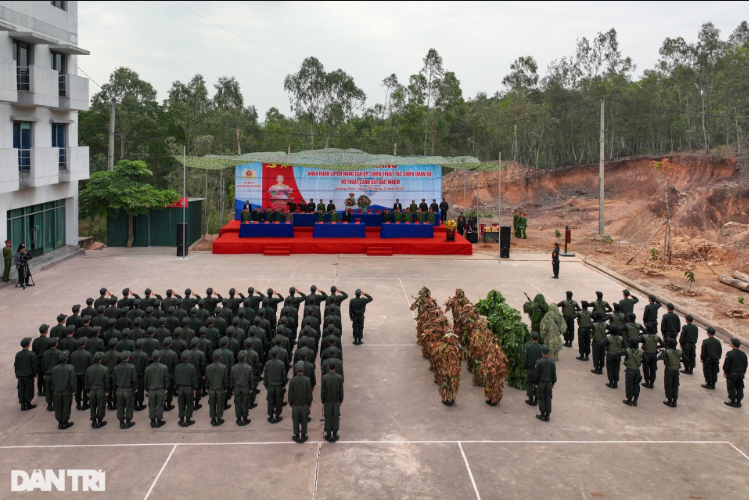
165	42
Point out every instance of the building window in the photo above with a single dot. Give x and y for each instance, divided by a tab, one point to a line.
59	140
22	142
60	5
40	227
59	65
22	57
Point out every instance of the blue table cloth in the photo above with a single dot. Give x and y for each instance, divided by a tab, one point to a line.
339	230
261	230
393	230
369	220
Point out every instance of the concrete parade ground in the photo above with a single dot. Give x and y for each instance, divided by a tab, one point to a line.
397	440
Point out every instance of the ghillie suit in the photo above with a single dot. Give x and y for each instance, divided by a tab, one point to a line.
536	311
447	358
457	304
553	327
427	312
494	371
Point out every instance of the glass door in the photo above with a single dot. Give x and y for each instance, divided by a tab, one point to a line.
21	55
58	64
35	240
22	142
58	141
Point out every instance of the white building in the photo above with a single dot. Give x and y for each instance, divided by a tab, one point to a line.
40	96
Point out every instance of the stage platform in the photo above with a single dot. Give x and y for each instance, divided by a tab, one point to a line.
229	242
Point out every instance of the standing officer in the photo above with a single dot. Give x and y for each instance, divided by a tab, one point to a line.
197	358
26	369
156	380
734	369
300	399
688	343
613	344
651	311
139	359
186	382
63	387
97	381
598	337
555	261
275	380
81	359
356	308
650	341
332	399
217	380
544	378
569	308
169	359
628	302
710	358
50	360
243	380
38	346
532	354
670	323
125	382
671	357
7	261
632	377
443	210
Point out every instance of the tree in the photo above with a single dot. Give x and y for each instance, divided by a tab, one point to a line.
433	73
307	89
342	98
124	188
520	81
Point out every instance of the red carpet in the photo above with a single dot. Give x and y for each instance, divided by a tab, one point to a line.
229	242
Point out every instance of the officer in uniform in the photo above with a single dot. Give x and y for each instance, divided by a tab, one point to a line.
670	323
628	302
217	380
186	382
156	380
356	308
600	305
532	354
651	311
544	378
613	344
596	332
7	261
97	382
555	261
81	359
332	399
139	359
243	381
300	399
734	369
632	377
50	360
26	369
38	346
125	383
710	354
63	387
650	341
569	308
274	380
688	343
169	359
671	357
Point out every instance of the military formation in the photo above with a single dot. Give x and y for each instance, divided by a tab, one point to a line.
134	353
612	336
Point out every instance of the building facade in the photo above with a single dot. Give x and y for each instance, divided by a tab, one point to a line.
40	96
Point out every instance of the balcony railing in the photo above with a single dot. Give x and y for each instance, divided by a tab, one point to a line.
62	86
23	78
24	160
63	159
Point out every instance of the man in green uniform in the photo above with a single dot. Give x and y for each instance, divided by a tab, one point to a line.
111	359
274	380
97	381
356	309
710	354
59	331
688	343
169	359
734	369
139	359
632	377
125	383
50	360
332	399
420	217
38	346
413	207
63	387
628	302
532	354
595	332
613	344
243	381
600	305
26	369
569	308
618	318
81	359
300	399
156	380
217	380
671	357
650	341
7	261
544	378
186	382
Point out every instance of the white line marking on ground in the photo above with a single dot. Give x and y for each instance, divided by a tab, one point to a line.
159	474
470	474
317	470
735	448
406	296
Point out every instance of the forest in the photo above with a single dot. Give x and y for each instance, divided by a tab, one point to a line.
695	99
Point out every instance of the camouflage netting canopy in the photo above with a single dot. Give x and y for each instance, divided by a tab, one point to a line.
331	158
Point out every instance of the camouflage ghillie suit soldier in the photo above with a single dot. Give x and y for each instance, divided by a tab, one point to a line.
536	310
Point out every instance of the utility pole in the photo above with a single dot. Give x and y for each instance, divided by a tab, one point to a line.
600	174
110	151
395	149
239	146
499	206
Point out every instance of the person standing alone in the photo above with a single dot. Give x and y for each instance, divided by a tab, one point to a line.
555	261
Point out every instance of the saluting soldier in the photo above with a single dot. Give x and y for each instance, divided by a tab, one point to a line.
532	354
26	369
584	318
357	308
186	382
125	383
600	305
628	302
670	323
613	344
63	387
544	378
97	382
198	360
156	380
710	354
139	359
300	399
569	308
651	311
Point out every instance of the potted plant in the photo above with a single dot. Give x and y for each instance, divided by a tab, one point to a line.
450	227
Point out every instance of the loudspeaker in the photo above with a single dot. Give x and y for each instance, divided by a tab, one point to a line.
182	240
472	237
505	232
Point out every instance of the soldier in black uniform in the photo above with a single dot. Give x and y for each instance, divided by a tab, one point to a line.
357	307
710	355
632	360
650	341
670	323
688	343
332	399
651	311
532	354
125	384
444	207
613	344
544	378
300	400
38	346
156	380
50	359
671	357
569	309
81	359
63	387
243	380
97	382
595	332
26	369
186	382
734	369
274	380
555	261
217	380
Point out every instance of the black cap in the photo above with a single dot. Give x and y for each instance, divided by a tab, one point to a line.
112	342
101	309
185	355
76	308
545	349
102	291
299	366
232	291
599	295
652	297
25	342
357	292
216	355
61	317
43	328
126	291
625	292
148	291
194	341
89	301
534	335
569	295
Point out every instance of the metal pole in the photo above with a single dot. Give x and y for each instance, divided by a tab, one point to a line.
601	230
110	151
205	202
184	199
477	202
499	205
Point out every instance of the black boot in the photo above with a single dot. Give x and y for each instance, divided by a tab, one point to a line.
540	416
634	402
219	421
546	417
122	423
153	423
246	421
627	402
181	422
94	424
213	421
129	423
239	421
159	422
304	438
67	425
30	406
730	403
295	438
102	423
23	406
50	407
327	436
336	437
529	401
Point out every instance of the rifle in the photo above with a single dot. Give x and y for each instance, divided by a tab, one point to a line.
526	296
